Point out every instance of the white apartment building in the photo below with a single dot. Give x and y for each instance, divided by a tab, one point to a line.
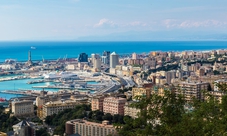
22	108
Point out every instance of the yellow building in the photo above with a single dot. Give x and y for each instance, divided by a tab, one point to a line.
160	89
55	107
140	92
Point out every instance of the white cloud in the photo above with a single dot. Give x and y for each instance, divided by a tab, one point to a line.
105	22
205	23
172	23
137	23
169	23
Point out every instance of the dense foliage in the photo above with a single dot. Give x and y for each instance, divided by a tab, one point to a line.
163	68
173	116
42	132
6	122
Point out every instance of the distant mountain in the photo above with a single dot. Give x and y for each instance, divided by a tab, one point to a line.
157	36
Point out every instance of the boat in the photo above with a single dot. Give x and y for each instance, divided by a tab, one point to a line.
32	47
3	102
35	81
54	75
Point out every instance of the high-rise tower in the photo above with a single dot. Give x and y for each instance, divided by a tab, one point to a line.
114	60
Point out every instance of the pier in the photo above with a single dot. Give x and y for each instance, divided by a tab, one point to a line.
20	92
53	87
36	81
13	78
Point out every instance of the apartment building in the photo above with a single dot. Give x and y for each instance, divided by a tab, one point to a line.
220	81
22	108
97	103
87	128
140	91
192	89
114	105
55	107
130	111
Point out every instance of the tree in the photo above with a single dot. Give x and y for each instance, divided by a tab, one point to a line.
172	115
42	132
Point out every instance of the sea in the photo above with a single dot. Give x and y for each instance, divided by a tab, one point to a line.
55	50
59	50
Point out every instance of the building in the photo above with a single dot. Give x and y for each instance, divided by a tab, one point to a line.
44	98
114	60
104	60
93	57
200	72
83	57
130	111
71	67
192	90
97	103
24	128
51	108
97	64
221	81
114	105
106	54
23	108
169	76
140	91
87	128
134	56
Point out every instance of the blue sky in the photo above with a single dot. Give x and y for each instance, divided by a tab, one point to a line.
101	20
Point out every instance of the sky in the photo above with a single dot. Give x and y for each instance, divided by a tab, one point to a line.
112	20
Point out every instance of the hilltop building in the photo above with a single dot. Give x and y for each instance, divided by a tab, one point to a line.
87	128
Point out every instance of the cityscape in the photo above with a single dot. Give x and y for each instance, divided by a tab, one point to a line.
113	68
107	83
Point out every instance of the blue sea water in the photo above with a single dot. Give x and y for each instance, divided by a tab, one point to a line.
19	85
55	50
22	85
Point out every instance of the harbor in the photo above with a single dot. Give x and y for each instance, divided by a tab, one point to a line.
32	84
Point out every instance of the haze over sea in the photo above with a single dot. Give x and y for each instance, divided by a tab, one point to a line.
55	50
